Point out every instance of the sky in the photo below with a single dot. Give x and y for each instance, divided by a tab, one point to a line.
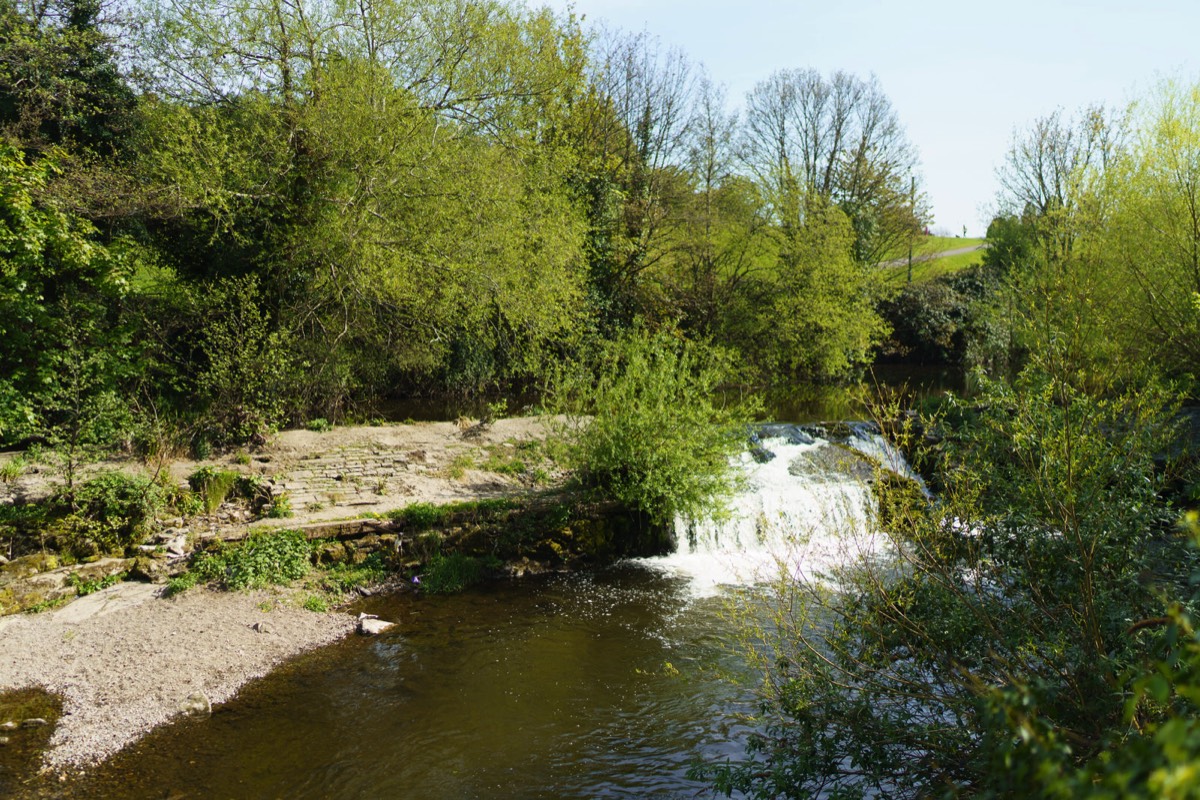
963	75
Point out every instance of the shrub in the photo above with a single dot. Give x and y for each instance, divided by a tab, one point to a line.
646	428
998	646
263	559
110	512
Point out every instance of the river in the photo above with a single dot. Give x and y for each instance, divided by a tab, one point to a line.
608	683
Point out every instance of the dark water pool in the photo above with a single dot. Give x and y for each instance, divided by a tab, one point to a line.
590	685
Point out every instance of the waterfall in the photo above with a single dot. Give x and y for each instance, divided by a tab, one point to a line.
805	505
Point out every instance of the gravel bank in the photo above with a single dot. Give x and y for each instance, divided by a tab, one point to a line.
125	660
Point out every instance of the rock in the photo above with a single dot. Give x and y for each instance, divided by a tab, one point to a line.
8	726
3	741
34	722
371	625
178	545
196	704
761	455
261	627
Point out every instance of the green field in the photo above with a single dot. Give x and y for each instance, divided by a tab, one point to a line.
927	265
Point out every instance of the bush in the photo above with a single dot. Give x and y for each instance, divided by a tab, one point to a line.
263	559
110	512
647	428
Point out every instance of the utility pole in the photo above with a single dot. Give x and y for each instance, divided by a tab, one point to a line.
912	205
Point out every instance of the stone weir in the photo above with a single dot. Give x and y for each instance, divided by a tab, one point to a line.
528	534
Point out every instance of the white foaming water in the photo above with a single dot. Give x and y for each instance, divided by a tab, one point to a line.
806	510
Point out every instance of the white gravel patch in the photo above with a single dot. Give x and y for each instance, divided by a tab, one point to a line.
124	660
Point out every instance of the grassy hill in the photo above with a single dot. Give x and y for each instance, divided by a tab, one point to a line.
928	261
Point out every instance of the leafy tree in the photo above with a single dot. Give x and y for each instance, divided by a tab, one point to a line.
65	349
837	139
59	81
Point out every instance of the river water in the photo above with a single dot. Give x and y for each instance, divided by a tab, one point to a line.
608	683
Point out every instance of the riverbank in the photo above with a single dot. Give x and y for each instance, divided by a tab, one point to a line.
125	659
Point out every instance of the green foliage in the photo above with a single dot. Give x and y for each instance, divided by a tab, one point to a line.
448	574
417	517
941	321
648	429
110	512
59	82
214	485
64	358
318	425
86	587
315	603
280	507
346	577
991	649
263	559
245	364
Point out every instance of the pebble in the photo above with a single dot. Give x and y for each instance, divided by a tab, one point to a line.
4	740
8	726
34	722
196	704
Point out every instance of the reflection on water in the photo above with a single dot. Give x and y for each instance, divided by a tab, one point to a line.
588	685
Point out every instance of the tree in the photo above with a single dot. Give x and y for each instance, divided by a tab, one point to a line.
389	166
719	244
1154	239
636	125
59	81
65	349
838	139
1051	172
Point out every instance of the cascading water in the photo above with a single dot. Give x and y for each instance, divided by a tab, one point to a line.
805	506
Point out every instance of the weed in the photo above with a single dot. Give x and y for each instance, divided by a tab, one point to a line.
319	425
267	558
315	602
86	587
420	516
263	559
242	458
458	466
181	583
213	484
280	506
345	577
447	574
45	605
12	469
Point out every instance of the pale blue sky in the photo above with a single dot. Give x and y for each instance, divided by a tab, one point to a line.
962	75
